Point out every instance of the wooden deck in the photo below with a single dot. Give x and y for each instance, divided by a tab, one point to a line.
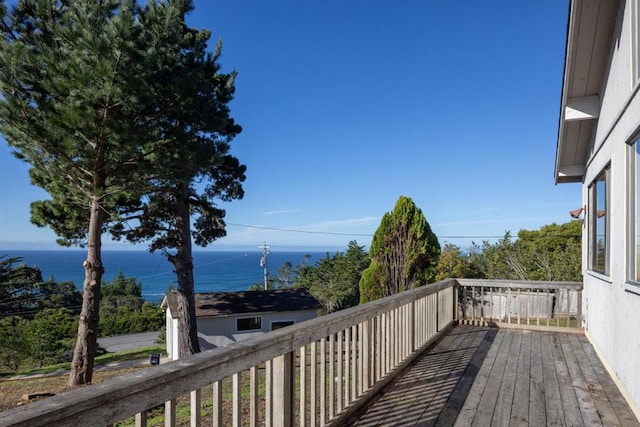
478	376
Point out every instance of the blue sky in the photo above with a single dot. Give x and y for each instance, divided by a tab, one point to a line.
346	106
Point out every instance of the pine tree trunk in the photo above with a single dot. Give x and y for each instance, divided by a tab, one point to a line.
86	344
183	263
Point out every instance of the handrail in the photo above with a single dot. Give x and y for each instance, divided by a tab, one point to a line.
379	336
528	304
520	284
317	372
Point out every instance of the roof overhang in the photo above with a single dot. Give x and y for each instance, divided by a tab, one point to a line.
589	31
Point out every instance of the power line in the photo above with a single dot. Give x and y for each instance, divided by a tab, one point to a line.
289	230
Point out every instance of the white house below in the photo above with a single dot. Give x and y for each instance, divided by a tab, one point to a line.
226	317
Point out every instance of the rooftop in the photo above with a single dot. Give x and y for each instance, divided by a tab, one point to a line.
214	304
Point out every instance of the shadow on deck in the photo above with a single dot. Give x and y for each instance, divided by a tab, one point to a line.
489	376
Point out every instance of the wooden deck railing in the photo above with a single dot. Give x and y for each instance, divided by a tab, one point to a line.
520	303
314	373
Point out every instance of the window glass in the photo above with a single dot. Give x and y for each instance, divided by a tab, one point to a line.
635	40
599	233
249	323
634	212
281	324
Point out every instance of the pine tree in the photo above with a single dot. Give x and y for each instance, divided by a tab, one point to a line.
81	100
196	135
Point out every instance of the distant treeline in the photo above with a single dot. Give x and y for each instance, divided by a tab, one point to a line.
552	253
39	318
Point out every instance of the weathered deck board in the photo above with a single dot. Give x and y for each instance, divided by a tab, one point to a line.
487	376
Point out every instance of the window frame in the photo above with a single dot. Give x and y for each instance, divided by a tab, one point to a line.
596	265
248	329
635	43
633	213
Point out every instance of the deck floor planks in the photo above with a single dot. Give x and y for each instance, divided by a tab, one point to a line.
520	407
570	407
504	403
584	398
487	376
553	405
602	404
421	383
489	398
619	405
470	405
537	410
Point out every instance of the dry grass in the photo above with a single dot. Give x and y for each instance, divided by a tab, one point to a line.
12	390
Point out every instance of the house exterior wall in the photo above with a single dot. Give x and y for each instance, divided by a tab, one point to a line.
219	331
171	336
611	306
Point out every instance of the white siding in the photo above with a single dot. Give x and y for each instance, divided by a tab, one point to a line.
172	336
612	314
220	331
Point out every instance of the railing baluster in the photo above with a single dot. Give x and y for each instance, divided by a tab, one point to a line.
332	375
568	308
236	400
195	406
323	381
283	399
313	396
170	413
254	386
217	404
303	386
482	303
347	367
537	296
363	363
379	357
339	375
387	344
268	393
354	362
474	303
141	419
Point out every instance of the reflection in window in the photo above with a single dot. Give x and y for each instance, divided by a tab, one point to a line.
633	262
598	233
281	324
249	323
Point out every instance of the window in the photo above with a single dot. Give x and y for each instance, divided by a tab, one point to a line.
599	224
635	41
281	324
633	198
249	323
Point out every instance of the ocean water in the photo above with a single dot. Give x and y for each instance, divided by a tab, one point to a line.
213	271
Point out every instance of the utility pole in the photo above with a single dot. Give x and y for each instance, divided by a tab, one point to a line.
263	262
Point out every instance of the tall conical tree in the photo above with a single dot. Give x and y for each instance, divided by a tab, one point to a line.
78	101
404	253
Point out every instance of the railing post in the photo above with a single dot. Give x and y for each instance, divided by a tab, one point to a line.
283	401
412	327
438	311
455	302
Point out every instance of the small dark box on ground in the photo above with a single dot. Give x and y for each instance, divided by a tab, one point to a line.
154	359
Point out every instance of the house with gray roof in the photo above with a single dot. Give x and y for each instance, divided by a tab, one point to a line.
227	317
